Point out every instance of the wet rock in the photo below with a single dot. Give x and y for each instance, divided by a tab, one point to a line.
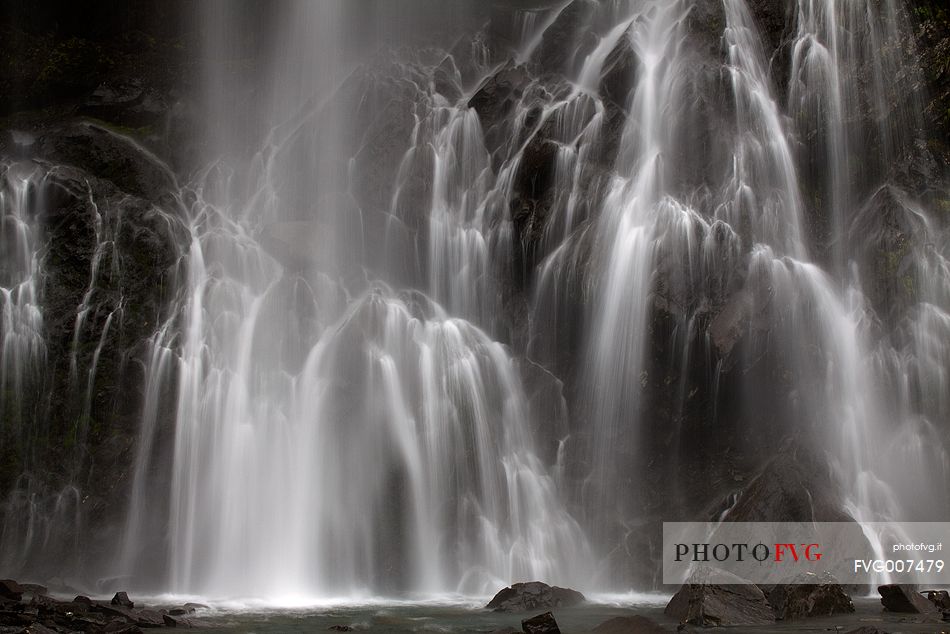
34	588
810	595
940	598
119	626
176	621
84	600
446	79
108	154
37	628
540	624
629	625
499	94
142	618
521	597
81	622
567	39
867	629
699	602
122	598
731	323
904	598
340	628
619	71
127	102
16	617
10	589
793	487
196	606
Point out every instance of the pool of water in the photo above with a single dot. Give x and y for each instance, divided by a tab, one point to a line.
461	615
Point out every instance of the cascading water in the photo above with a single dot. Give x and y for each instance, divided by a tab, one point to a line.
451	311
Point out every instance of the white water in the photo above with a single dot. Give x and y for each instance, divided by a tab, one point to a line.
347	388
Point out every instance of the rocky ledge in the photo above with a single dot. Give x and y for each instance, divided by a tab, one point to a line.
29	607
703	603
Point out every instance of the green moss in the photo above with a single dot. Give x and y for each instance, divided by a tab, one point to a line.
909	287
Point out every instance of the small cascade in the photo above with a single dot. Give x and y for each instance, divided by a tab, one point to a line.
22	344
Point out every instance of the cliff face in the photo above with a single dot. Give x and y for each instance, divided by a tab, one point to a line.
102	121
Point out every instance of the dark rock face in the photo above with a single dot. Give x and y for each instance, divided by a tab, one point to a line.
521	597
629	625
940	598
620	71
10	589
122	598
495	101
559	49
698	602
791	488
810	595
540	624
904	598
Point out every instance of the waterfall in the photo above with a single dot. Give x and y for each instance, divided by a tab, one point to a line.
444	296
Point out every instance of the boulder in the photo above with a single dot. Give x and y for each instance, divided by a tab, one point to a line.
16	618
899	597
809	595
635	624
122	598
699	602
940	598
10	589
175	621
82	622
34	589
119	626
522	597
540	624
795	486
142	618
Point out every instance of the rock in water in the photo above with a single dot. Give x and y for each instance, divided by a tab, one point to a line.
808	595
34	589
10	589
522	597
122	598
629	625
898	597
540	624
699	602
867	629
940	598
